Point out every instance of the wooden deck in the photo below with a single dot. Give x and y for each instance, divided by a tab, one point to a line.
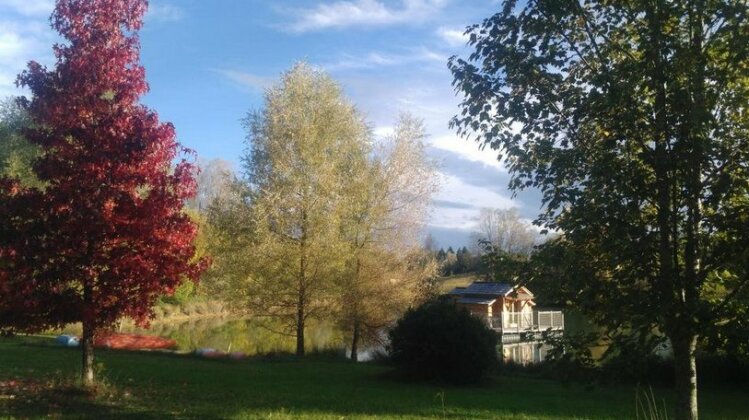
535	323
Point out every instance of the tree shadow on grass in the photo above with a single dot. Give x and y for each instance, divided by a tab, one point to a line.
32	398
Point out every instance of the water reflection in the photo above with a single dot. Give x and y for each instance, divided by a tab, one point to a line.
524	353
255	336
262	336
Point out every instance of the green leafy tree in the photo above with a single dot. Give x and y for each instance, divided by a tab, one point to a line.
16	153
630	117
281	226
449	263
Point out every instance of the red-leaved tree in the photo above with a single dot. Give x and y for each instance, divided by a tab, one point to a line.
106	235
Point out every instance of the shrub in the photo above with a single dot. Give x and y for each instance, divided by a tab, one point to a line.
440	341
570	357
722	369
170	310
632	360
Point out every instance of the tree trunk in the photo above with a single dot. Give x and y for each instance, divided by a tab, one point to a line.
685	374
301	298
355	297
300	327
355	342
87	360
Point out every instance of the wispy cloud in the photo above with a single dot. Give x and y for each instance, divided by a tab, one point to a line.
363	13
473	178
467	150
28	7
377	59
22	40
453	37
453	205
11	46
164	12
248	80
373	59
466	201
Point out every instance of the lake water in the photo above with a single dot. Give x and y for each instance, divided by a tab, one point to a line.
525	352
251	336
257	336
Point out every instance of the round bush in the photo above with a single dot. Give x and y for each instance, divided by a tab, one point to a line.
441	341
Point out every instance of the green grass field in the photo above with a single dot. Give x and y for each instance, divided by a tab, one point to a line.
33	374
459	280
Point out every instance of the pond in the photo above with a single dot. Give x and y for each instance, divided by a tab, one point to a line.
261	336
255	336
525	352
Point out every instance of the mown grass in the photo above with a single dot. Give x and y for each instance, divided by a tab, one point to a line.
35	382
459	280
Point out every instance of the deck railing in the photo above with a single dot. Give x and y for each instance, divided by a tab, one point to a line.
550	319
510	322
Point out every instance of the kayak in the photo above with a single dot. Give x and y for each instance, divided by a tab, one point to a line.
67	340
134	342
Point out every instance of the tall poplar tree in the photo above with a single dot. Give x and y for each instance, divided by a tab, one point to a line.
385	205
304	146
631	118
107	235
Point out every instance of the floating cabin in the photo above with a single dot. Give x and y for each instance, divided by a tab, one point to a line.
506	308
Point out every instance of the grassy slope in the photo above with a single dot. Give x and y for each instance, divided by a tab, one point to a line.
450	282
164	386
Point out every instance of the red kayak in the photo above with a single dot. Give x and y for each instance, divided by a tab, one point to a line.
134	342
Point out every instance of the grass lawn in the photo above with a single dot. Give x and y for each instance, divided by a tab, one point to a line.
33	374
459	280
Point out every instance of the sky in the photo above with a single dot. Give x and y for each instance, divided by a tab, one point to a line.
208	62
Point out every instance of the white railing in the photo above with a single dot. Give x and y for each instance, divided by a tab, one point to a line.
525	321
550	319
517	320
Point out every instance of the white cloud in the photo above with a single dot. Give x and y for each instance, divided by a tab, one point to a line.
22	40
28	7
12	49
343	14
467	149
429	96
7	86
164	12
456	190
373	59
376	59
11	46
426	54
453	37
383	131
249	80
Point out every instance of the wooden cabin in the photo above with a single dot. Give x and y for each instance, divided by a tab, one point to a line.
506	308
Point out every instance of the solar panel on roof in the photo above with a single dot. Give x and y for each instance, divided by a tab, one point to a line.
457	291
488	288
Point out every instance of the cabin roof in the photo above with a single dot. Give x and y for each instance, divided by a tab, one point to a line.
457	291
486	288
483	288
477	300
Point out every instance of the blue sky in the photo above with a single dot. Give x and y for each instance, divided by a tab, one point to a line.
207	63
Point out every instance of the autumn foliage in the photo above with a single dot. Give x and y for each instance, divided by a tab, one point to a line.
106	235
